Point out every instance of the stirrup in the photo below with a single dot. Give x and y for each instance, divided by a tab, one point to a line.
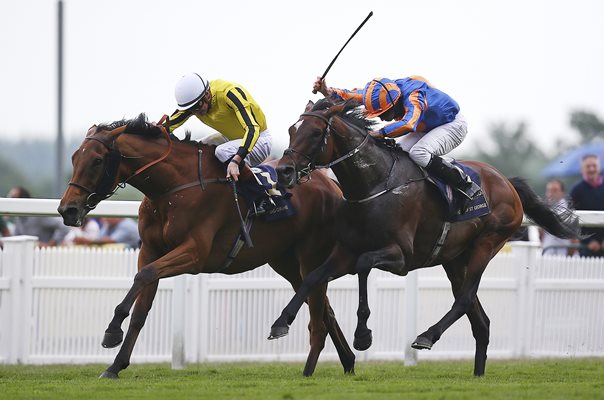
260	208
470	189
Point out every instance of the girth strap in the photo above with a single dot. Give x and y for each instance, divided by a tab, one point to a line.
439	243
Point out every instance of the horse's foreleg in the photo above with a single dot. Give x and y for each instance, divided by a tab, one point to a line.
362	334
139	316
316	328
289	268
337	264
176	262
388	258
347	357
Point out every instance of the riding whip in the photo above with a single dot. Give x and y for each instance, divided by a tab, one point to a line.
244	230
349	39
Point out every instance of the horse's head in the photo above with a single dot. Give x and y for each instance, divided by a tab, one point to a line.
96	166
95	173
310	140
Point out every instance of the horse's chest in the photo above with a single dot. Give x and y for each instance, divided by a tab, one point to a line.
363	227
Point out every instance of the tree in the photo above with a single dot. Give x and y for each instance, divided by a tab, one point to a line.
10	177
514	153
587	124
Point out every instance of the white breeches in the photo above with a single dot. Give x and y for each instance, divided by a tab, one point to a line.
259	153
439	141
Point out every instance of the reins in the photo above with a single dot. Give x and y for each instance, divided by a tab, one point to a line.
201	182
102	190
311	166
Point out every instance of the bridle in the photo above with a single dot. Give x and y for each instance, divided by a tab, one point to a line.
311	166
303	175
104	188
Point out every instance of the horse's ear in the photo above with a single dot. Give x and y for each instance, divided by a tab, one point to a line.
309	106
91	130
338	108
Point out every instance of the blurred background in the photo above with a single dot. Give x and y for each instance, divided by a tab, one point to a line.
526	74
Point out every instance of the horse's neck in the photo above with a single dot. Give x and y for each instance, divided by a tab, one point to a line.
180	167
372	169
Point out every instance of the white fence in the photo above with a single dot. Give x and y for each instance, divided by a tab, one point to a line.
55	304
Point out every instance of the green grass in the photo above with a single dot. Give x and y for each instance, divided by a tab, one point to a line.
535	379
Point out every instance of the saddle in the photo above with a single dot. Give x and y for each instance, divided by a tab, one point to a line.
266	200
458	206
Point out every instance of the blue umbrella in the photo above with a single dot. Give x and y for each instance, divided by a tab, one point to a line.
569	164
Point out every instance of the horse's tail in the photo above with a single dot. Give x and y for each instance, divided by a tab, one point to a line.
559	221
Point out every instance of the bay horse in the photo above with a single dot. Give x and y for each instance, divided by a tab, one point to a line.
188	222
393	219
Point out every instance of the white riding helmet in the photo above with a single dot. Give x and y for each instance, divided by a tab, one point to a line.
189	89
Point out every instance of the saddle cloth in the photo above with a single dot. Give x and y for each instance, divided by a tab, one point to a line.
459	207
277	205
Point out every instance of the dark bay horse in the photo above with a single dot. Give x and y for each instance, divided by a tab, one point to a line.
188	222
393	219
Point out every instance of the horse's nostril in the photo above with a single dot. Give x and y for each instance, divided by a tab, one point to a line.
285	170
68	211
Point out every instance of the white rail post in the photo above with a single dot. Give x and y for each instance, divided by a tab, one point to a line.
179	299
19	261
411	305
534	251
525	258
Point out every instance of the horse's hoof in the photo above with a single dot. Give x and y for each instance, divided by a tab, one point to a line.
364	341
108	375
421	343
112	339
278	331
349	371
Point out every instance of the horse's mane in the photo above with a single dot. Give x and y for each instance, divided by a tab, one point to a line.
355	116
141	126
136	126
351	113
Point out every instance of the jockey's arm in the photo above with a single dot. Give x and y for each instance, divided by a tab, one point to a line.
345	94
245	116
178	118
414	111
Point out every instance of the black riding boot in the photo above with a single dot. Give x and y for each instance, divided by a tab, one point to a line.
453	176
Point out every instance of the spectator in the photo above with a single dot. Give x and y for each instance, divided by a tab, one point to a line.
49	230
588	194
90	229
115	230
4	231
555	197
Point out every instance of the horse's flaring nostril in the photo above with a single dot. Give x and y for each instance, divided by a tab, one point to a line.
70	215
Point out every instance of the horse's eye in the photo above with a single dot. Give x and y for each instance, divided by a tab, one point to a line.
97	161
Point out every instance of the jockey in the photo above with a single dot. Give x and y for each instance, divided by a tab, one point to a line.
230	109
427	122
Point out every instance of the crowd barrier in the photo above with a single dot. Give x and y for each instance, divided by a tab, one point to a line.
55	303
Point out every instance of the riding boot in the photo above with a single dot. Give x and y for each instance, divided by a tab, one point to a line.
453	176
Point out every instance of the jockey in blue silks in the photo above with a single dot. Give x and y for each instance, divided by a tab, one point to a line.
427	122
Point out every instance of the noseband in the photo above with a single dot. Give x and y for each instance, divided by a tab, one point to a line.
311	166
103	190
305	172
